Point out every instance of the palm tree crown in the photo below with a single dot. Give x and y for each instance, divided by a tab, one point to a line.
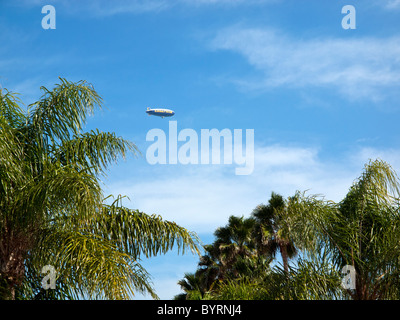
52	209
271	231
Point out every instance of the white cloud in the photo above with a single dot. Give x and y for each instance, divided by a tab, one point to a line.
391	156
357	68
109	8
392	4
166	271
225	2
201	198
101	7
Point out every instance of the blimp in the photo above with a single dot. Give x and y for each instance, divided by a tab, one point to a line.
160	112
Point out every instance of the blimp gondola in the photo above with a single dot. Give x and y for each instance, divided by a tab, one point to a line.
160	112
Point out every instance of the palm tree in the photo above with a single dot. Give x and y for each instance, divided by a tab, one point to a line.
193	286
233	241
272	231
52	208
226	258
361	231
233	267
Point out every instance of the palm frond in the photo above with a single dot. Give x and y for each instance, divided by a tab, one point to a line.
92	267
52	208
63	110
94	150
137	233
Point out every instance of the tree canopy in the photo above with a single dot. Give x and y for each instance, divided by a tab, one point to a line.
359	233
53	210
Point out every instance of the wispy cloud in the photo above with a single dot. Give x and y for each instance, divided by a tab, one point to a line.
99	7
226	2
392	4
390	155
110	8
202	198
357	68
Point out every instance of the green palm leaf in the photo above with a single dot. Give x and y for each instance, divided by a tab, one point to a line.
52	208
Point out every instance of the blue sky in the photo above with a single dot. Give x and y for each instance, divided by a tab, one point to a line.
321	100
